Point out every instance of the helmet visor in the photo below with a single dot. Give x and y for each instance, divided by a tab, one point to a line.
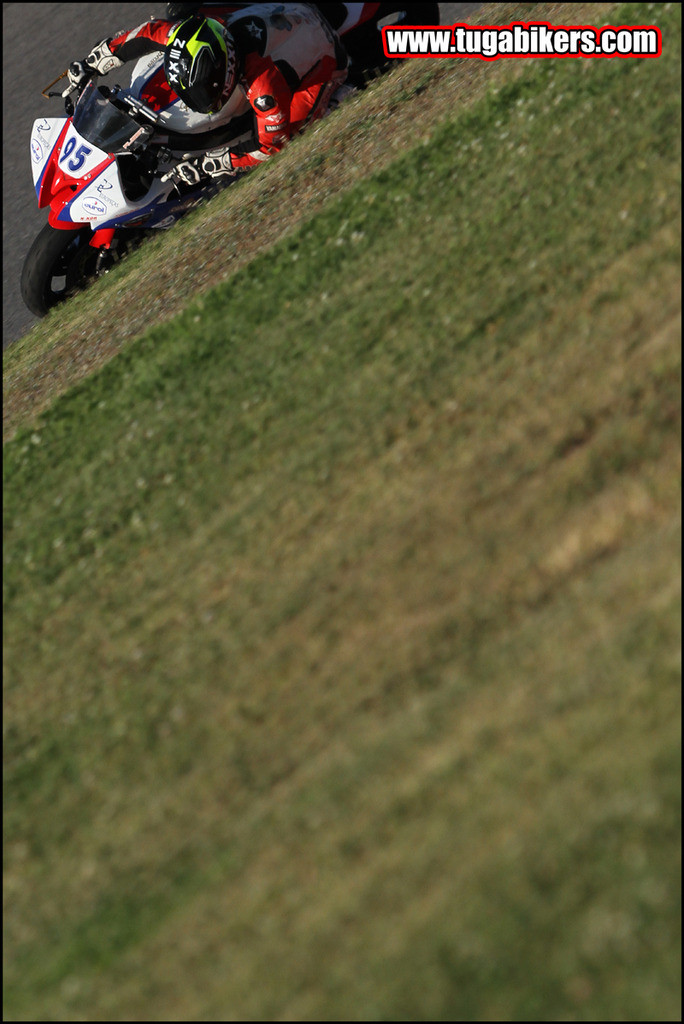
204	91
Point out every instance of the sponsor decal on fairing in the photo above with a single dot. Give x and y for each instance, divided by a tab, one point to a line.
94	206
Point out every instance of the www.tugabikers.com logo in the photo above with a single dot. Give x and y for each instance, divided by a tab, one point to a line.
523	39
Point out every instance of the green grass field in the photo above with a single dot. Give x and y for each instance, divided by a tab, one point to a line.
342	604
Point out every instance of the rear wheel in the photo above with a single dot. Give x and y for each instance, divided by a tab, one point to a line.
364	43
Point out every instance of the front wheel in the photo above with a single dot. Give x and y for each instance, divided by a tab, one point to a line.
62	262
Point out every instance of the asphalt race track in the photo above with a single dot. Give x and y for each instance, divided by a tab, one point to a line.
39	41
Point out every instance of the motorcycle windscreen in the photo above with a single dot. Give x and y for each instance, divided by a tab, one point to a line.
102	124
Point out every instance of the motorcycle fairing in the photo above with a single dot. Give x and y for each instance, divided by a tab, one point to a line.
65	158
82	184
61	161
102	202
156	91
79	182
46	138
356	15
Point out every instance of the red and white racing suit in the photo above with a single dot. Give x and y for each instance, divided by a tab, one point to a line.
290	63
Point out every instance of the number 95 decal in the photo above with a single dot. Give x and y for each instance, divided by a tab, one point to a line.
79	156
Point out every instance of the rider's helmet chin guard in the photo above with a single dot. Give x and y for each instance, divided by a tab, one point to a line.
201	64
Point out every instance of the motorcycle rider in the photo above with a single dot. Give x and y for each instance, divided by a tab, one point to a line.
284	60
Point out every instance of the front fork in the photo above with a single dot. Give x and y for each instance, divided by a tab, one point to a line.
102	239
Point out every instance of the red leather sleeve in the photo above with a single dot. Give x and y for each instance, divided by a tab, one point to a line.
146	38
271	98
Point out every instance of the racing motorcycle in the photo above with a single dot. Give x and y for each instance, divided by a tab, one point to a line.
104	169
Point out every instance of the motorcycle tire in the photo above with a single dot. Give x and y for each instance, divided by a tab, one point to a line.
63	262
364	43
58	263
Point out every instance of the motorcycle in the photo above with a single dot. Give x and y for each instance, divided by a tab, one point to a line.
104	169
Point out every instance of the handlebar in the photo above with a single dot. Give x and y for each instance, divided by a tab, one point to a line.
123	101
130	105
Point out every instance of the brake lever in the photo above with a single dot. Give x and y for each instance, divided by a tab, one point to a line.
49	95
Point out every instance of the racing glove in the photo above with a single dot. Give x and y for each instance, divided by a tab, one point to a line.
212	165
187	172
217	162
100	61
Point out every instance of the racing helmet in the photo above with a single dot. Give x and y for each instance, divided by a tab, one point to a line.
201	64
